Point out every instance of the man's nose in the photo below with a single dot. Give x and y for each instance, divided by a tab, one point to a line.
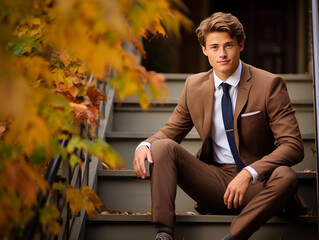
222	53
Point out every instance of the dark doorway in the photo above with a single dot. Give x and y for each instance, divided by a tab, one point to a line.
271	27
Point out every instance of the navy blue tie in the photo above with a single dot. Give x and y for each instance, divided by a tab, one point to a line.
227	111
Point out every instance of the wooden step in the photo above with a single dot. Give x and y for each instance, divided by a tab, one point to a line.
123	191
300	87
126	142
131	118
138	227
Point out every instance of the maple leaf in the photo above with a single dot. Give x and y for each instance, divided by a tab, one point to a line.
69	92
82	112
25	184
99	148
58	76
85	198
49	216
96	95
138	45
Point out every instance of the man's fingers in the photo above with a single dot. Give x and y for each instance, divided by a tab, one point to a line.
241	200
230	200
236	199
141	154
226	196
137	168
149	157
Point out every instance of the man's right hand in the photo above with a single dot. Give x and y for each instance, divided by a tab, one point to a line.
141	154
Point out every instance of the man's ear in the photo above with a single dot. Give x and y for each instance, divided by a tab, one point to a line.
241	45
204	50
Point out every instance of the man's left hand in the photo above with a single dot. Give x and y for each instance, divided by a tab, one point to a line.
236	189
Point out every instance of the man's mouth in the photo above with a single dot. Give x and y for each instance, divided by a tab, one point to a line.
223	62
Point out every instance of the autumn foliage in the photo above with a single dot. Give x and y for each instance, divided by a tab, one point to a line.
52	53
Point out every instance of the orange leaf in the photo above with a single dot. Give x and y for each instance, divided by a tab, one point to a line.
82	112
96	95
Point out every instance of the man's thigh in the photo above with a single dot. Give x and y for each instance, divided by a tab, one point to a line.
205	183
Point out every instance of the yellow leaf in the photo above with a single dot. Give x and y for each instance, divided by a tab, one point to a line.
69	81
58	76
75	160
48	218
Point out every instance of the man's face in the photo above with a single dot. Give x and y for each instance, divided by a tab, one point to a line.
223	53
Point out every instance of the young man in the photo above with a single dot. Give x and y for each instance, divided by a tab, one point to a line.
250	139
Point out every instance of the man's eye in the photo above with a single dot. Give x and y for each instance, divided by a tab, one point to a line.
213	48
229	45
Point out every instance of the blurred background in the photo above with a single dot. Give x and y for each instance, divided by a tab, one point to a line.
278	37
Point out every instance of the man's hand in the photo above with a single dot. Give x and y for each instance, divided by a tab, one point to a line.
237	188
141	154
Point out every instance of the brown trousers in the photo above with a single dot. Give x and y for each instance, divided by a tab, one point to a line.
206	184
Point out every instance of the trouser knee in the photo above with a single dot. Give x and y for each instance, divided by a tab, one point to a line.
163	149
287	179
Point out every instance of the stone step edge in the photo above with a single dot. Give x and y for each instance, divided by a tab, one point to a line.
286	77
198	219
174	101
129	173
139	135
168	107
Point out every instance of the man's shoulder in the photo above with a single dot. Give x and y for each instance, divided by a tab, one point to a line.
200	77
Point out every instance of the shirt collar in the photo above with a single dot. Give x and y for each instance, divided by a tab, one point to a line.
233	80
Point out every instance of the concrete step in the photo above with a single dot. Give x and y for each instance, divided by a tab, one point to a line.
126	142
131	118
300	87
134	227
123	191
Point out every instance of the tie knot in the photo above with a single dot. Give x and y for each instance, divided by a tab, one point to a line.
225	87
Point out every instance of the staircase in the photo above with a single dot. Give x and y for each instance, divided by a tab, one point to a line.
128	125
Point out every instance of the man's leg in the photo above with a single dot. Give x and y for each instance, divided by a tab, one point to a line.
263	200
173	165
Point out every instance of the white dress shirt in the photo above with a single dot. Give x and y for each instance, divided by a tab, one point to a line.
221	150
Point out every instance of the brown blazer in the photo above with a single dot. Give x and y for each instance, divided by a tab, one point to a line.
268	138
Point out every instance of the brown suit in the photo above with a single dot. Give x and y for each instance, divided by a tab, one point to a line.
266	138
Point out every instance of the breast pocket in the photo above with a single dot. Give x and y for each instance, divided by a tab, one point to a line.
251	126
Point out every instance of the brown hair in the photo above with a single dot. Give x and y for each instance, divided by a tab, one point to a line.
220	22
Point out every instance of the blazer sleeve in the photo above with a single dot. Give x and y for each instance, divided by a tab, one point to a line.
283	124
180	122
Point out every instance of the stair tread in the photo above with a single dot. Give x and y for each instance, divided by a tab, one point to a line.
198	218
130	173
191	135
167	106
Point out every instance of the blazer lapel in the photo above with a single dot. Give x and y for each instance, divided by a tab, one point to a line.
207	101
242	97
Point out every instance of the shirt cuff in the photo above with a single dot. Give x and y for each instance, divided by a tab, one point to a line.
147	144
253	173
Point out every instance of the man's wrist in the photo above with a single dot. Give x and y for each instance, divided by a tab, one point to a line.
147	144
253	173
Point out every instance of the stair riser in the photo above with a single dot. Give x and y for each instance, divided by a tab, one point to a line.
132	194
299	90
195	231
126	147
135	120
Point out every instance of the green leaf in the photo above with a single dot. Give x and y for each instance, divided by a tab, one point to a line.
58	186
143	98
20	47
